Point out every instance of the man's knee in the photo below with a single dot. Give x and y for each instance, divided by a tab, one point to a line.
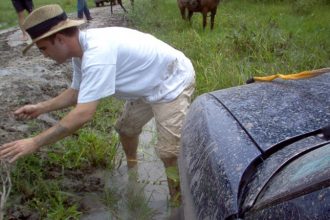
170	161
126	131
168	147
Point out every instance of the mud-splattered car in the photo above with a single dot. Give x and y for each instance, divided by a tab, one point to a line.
258	151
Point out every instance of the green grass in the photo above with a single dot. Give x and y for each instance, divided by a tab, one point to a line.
92	147
251	37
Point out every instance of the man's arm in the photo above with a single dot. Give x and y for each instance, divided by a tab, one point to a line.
65	99
74	120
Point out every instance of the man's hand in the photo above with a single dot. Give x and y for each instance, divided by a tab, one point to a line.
65	99
74	120
28	112
16	149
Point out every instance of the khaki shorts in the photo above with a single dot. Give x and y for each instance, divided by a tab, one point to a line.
169	118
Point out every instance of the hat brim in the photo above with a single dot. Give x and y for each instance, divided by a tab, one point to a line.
63	25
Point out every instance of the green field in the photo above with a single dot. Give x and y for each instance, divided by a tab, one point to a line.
251	37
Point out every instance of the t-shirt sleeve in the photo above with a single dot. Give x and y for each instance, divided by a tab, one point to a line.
97	82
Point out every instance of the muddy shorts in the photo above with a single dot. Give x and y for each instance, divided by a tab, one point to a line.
21	5
168	117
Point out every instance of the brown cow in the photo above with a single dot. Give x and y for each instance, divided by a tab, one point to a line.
203	6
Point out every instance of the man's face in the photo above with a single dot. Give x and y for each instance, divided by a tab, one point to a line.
55	49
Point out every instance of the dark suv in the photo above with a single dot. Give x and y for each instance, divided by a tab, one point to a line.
258	151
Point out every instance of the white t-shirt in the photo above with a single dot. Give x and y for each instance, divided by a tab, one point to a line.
130	65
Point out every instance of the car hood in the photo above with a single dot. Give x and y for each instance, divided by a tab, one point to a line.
226	130
274	111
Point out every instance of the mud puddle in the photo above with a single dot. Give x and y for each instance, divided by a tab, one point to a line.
148	180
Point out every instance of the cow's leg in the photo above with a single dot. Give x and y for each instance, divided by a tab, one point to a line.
204	18
213	13
183	12
190	14
121	5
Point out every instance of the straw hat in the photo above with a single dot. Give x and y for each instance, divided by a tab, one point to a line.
45	21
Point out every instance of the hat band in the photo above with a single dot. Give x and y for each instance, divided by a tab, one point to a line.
45	26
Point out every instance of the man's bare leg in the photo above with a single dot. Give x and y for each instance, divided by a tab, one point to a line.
130	144
21	18
173	185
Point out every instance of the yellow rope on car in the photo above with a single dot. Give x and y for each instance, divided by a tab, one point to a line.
294	76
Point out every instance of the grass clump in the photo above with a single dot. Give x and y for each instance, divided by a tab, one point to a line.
89	148
39	179
40	195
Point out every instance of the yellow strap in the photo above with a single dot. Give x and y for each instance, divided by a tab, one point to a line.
301	75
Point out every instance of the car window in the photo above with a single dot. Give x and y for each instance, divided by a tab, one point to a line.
309	172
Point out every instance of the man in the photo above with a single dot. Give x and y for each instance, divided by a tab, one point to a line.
20	6
83	9
155	79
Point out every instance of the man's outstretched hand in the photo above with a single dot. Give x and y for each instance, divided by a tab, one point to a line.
13	150
28	112
16	149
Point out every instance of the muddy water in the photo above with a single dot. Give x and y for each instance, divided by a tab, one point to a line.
149	178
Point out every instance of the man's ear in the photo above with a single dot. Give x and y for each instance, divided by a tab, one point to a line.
60	37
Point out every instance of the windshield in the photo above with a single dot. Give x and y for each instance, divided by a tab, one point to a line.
309	172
